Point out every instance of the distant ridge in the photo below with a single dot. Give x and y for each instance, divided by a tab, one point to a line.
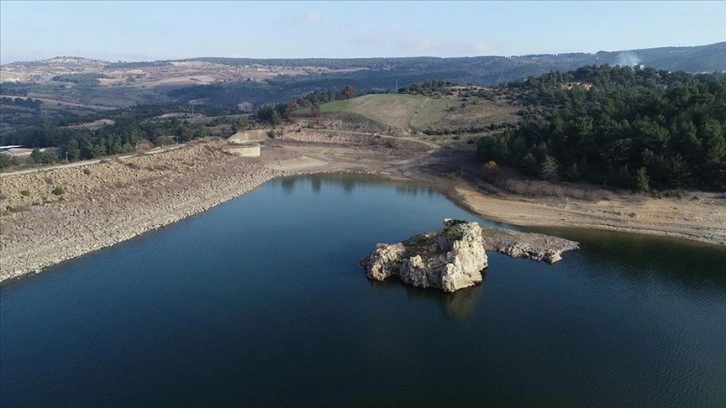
694	59
247	83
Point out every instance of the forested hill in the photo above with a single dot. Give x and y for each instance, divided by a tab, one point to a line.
633	128
705	58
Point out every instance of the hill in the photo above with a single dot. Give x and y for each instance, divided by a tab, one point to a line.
232	82
444	112
617	126
402	112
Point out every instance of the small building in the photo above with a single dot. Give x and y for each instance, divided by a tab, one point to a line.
246	143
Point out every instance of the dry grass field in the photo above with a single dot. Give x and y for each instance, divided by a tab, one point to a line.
418	113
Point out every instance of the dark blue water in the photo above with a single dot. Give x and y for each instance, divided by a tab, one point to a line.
261	302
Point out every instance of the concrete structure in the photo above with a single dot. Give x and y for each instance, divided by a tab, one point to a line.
247	143
246	150
246	136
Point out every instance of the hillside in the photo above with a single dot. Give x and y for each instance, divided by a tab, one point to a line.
617	126
404	112
442	117
247	83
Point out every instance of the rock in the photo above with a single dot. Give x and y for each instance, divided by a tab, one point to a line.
450	259
538	247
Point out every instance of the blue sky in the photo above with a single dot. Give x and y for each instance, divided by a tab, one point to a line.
167	30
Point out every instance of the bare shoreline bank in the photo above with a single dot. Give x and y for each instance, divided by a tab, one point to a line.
101	213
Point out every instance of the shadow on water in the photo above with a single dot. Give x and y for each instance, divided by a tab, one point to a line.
459	305
681	263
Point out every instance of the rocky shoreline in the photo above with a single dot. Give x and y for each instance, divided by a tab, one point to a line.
116	199
105	208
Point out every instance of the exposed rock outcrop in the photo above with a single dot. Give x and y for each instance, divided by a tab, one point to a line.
538	247
450	259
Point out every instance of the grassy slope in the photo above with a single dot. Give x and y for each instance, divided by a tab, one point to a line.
399	111
454	114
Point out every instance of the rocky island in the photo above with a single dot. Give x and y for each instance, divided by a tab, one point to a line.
450	259
454	258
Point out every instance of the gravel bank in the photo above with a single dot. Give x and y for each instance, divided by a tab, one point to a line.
109	202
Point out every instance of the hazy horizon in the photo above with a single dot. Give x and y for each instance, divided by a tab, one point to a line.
148	31
281	58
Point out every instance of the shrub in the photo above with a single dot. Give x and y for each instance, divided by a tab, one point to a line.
86	171
491	165
59	191
25	193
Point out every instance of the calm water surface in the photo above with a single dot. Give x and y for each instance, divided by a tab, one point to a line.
261	302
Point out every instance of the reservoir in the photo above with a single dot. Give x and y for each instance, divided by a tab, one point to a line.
261	301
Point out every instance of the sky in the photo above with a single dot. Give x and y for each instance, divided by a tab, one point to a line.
134	31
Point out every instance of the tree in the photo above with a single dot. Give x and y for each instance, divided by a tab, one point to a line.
315	110
45	157
72	150
642	180
240	124
348	92
269	114
276	118
549	168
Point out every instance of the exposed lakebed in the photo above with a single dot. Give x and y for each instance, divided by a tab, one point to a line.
261	302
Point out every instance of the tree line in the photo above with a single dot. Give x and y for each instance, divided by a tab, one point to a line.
620	126
274	114
121	137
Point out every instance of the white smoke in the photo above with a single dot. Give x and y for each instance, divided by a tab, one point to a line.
628	59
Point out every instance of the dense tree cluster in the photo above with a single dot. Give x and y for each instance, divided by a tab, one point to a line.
29	103
122	137
91	79
276	114
633	128
427	88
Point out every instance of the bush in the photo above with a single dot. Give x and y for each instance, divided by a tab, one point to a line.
25	193
5	161
59	191
86	171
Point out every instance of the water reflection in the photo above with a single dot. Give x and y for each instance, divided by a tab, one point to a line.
231	319
349	181
315	184
459	305
288	184
414	190
686	265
